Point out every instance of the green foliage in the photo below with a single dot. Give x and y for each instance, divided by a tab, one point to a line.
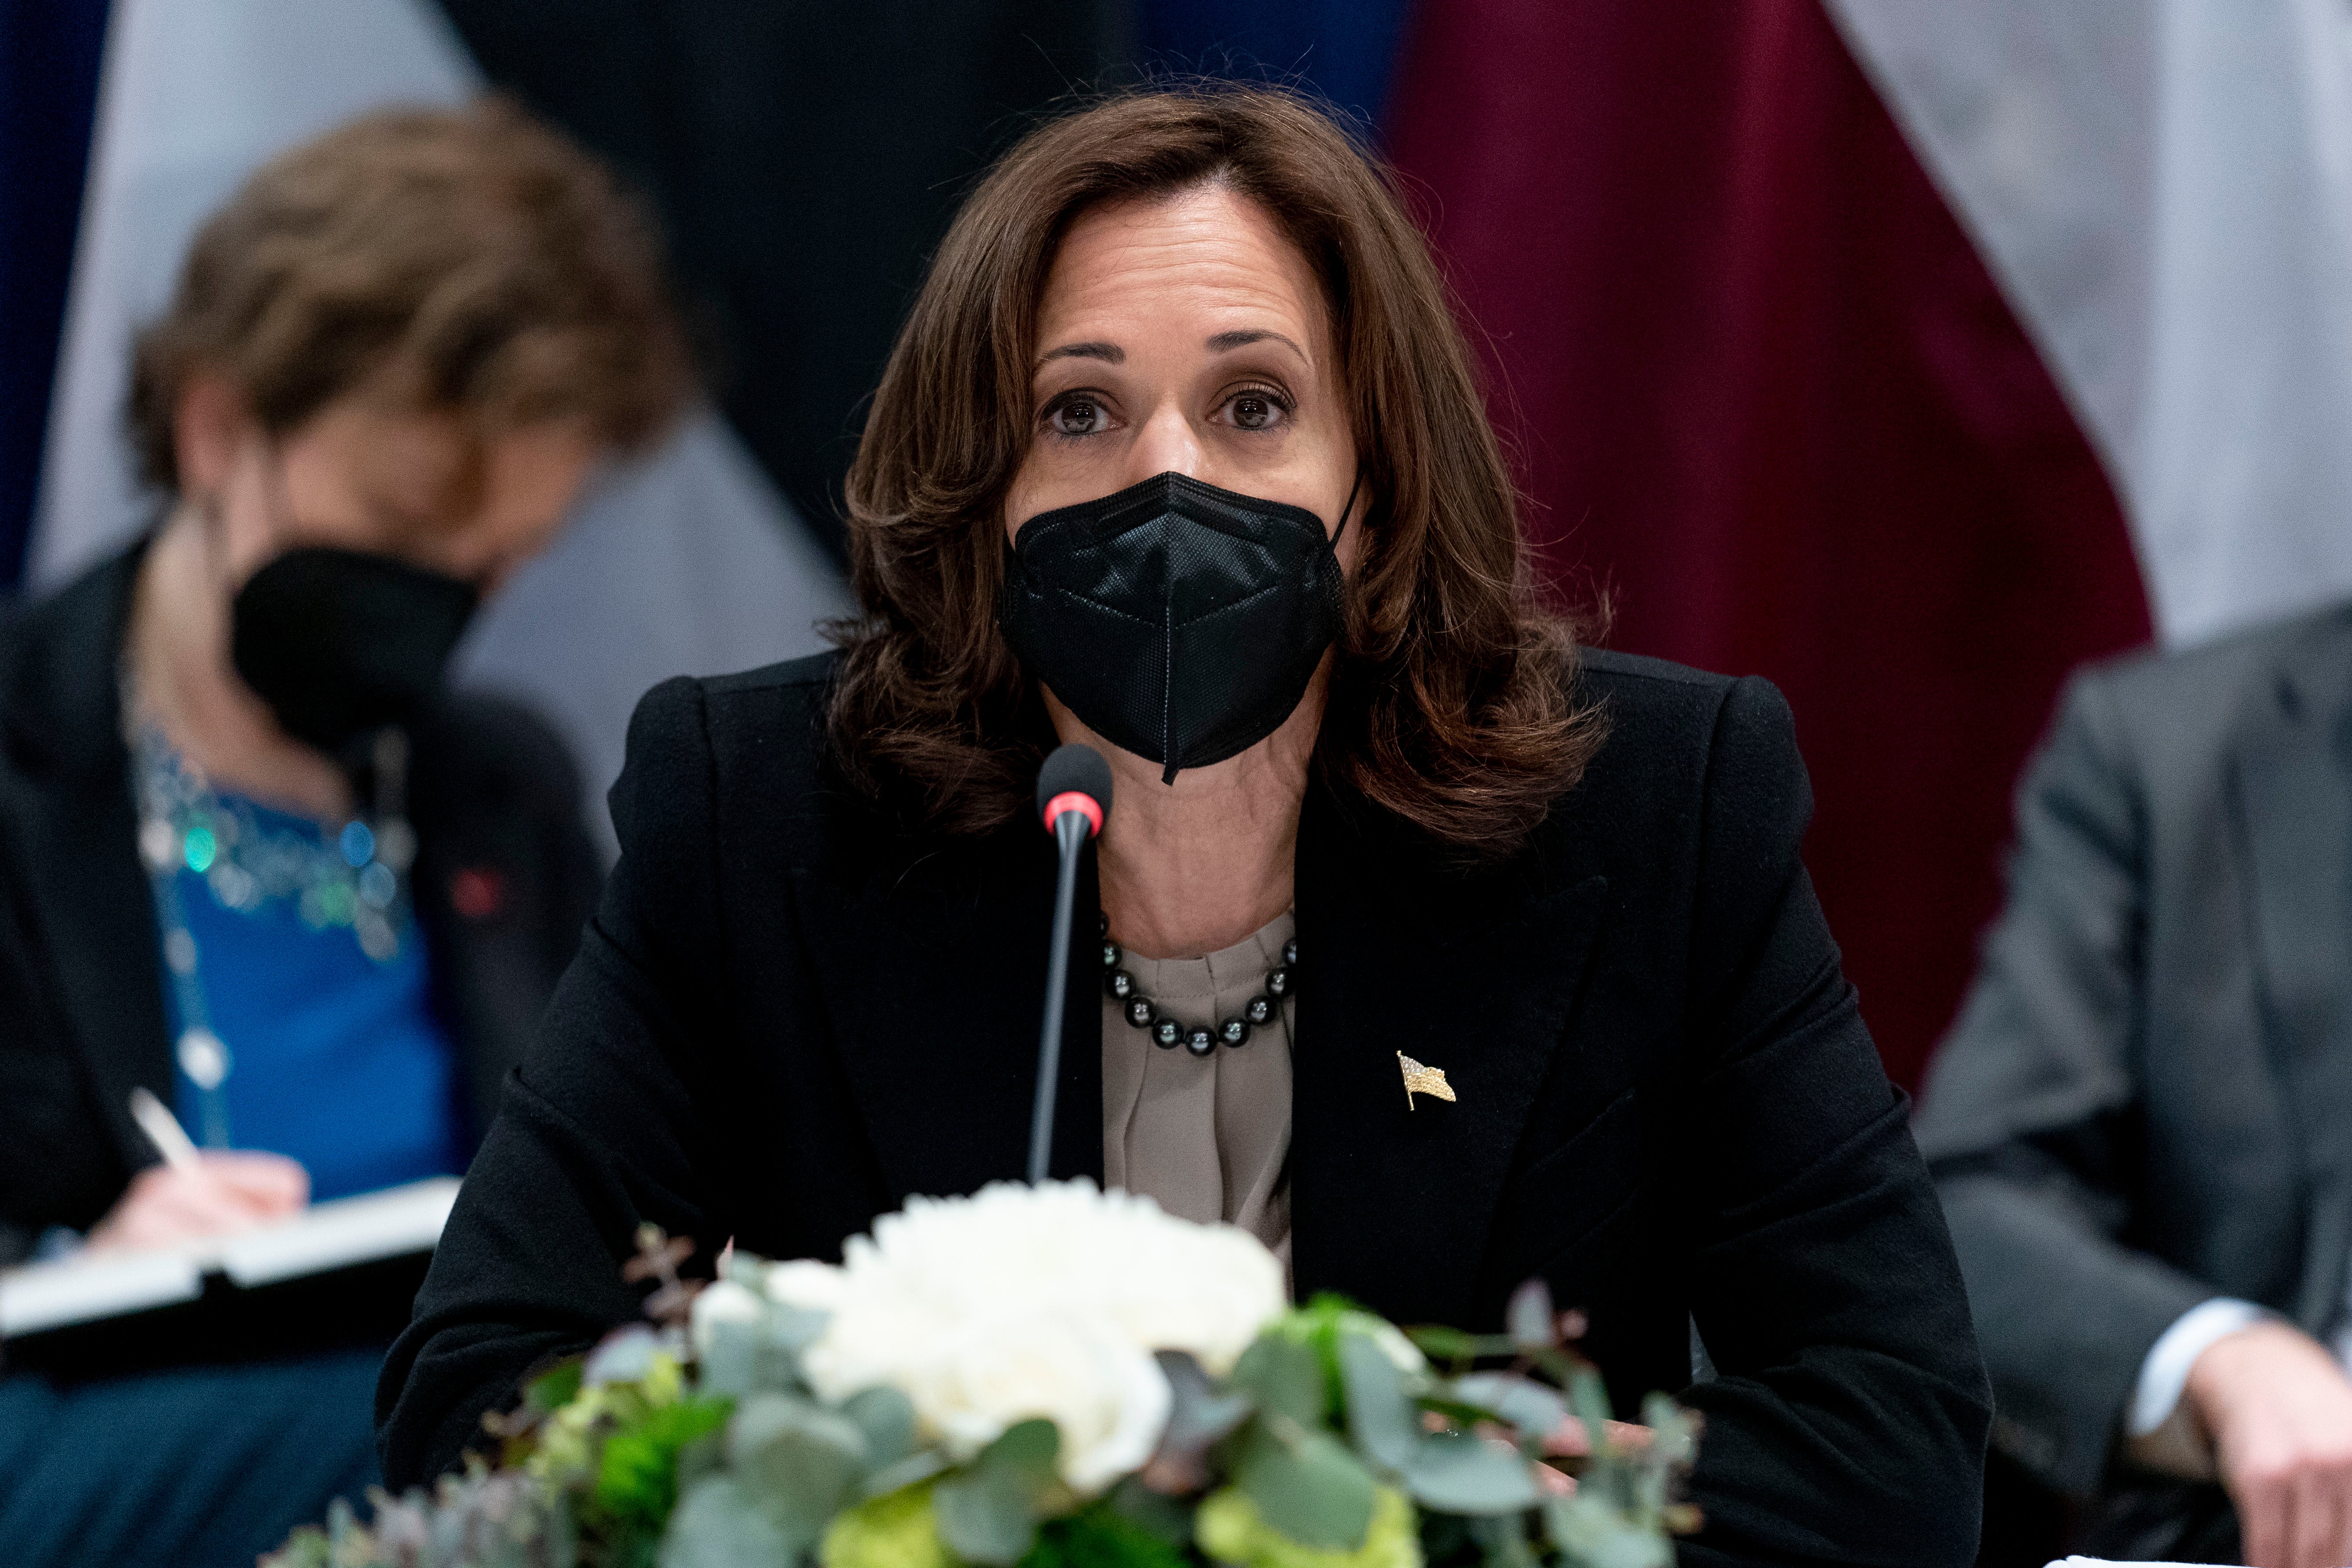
798	1462
636	1483
1103	1536
558	1387
1452	1471
1306	1484
897	1530
717	1525
1230	1529
1334	1443
988	1513
1282	1375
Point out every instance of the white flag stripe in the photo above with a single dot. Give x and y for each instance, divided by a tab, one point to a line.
2164	190
689	563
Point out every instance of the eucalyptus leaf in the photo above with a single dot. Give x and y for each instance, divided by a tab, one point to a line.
729	1361
1588	1401
1588	1533
986	1515
920	1466
1536	1411
888	1418
1026	1449
1532	1323
1283	1377
1456	1473
1306	1484
556	1387
717	1525
700	1457
1199	1418
1502	1541
1198	1414
1381	1417
799	1463
1677	1430
1449	1344
795	1328
624	1355
1164	1518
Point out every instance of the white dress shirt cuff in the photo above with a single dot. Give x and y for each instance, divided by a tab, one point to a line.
2164	1373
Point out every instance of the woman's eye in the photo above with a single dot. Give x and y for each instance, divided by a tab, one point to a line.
1256	411
1075	416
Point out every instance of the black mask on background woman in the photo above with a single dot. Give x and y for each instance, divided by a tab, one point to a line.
340	643
1178	620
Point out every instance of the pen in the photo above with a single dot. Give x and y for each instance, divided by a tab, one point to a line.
163	1130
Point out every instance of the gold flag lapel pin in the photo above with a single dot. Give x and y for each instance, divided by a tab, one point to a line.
1419	1080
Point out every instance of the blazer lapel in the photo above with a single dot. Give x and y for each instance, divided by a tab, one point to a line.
1472	974
2290	788
75	831
936	970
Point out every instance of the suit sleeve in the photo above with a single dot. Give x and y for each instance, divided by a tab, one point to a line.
597	1131
2027	1117
1849	1387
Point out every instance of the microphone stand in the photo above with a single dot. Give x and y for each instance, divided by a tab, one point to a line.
1070	831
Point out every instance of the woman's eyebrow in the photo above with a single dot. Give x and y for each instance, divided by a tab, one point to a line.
1225	342
1109	354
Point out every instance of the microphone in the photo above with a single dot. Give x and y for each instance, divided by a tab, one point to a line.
1073	798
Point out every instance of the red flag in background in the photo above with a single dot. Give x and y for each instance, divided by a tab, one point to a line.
1766	396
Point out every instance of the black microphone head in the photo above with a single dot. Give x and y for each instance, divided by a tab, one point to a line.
1075	769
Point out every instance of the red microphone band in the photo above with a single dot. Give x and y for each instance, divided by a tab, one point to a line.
1073	800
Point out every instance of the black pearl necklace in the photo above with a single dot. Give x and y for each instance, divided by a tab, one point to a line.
1141	1013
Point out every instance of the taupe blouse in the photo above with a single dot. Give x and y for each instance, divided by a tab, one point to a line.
1208	1137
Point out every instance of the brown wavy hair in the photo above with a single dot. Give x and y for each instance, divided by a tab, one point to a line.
483	253
1452	702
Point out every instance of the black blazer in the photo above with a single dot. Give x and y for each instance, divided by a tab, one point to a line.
788	1016
82	1013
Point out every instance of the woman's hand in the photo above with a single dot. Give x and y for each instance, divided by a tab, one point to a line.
1569	1441
226	1191
2280	1412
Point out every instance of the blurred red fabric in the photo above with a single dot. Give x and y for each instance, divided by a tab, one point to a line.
1765	396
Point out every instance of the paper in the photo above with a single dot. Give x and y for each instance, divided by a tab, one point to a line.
326	1237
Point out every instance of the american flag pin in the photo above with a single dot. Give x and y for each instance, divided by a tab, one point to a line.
1419	1080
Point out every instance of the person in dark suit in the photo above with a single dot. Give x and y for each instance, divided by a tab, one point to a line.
1181	455
2142	1122
255	858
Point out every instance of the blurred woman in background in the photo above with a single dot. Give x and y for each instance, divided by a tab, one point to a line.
254	857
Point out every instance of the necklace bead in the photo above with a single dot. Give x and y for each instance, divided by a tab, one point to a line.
1142	1013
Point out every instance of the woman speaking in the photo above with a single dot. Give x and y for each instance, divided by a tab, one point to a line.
1181	455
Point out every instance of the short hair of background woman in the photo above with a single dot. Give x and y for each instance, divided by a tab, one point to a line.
489	266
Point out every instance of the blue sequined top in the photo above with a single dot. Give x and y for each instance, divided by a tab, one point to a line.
338	1060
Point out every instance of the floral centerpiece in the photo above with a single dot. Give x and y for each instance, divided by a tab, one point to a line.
1043	1377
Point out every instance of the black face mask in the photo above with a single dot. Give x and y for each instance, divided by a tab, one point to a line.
1177	620
340	643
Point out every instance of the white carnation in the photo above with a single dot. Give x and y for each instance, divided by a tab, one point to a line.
1026	1301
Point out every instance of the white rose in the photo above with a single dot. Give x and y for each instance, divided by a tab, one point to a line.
1024	1301
1105	1397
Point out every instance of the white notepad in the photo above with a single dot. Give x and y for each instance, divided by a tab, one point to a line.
323	1239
